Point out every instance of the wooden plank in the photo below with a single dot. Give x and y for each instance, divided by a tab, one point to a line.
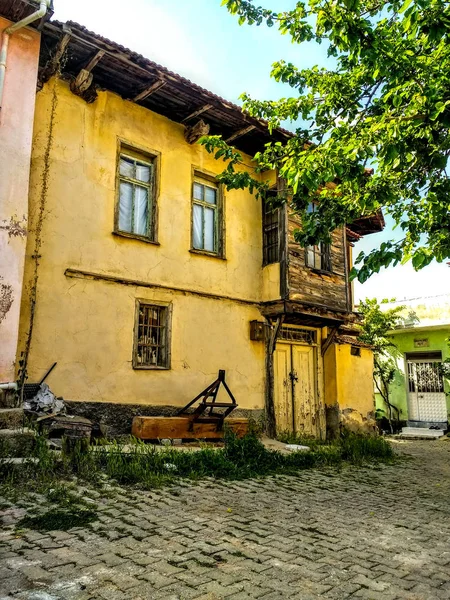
150	90
198	112
94	60
240	133
154	428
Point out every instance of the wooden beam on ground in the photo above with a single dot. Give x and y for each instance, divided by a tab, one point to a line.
240	133
151	89
157	428
198	112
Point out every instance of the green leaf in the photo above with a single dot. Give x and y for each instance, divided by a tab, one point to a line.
405	6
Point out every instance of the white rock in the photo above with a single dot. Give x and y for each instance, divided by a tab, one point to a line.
297	448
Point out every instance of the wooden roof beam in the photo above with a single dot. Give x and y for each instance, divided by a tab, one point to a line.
240	133
198	112
94	60
83	85
52	65
155	86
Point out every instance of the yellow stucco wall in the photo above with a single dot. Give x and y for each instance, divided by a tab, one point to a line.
86	325
16	128
349	386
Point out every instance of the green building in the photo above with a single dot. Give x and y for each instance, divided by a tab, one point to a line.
421	387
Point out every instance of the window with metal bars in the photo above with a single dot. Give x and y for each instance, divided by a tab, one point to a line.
319	256
135	213
152	343
295	334
425	377
271	233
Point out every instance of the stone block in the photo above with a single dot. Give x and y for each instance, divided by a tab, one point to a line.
16	443
8	398
11	418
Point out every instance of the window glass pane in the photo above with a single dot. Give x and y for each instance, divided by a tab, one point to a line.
197	241
209	229
125	206
143	172
140	210
198	191
210	195
310	256
317	258
126	167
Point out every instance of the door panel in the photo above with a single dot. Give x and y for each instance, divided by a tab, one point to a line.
305	396
295	393
283	391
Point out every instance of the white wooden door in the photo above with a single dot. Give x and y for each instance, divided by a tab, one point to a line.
426	396
295	397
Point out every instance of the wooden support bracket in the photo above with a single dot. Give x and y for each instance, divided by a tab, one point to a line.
193	133
198	112
329	340
151	89
94	60
83	85
52	66
240	133
274	333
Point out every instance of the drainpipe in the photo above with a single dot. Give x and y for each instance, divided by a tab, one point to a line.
44	5
8	386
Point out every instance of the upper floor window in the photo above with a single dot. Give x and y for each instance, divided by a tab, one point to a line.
318	256
135	212
206	216
271	233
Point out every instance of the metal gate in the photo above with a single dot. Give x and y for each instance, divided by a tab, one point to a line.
426	396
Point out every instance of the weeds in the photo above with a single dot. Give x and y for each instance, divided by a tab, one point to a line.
55	519
54	476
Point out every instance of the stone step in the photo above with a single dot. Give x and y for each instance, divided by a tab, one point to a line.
16	442
8	398
11	418
421	432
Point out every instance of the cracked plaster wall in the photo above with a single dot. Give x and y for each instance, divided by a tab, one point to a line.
349	396
87	326
16	127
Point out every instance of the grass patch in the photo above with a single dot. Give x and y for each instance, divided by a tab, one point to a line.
351	447
55	519
55	476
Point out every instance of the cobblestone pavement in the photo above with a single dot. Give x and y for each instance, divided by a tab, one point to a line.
370	533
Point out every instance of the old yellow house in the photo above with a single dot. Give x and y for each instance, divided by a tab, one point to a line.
144	276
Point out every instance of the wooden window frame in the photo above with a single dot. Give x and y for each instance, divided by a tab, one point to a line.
167	306
205	178
267	228
146	156
322	250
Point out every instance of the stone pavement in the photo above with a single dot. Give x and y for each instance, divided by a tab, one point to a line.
370	533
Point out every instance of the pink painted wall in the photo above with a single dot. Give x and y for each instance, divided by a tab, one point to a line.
16	129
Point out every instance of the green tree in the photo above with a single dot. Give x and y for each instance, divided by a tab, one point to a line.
375	331
376	125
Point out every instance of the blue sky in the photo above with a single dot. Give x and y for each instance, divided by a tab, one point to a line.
201	41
